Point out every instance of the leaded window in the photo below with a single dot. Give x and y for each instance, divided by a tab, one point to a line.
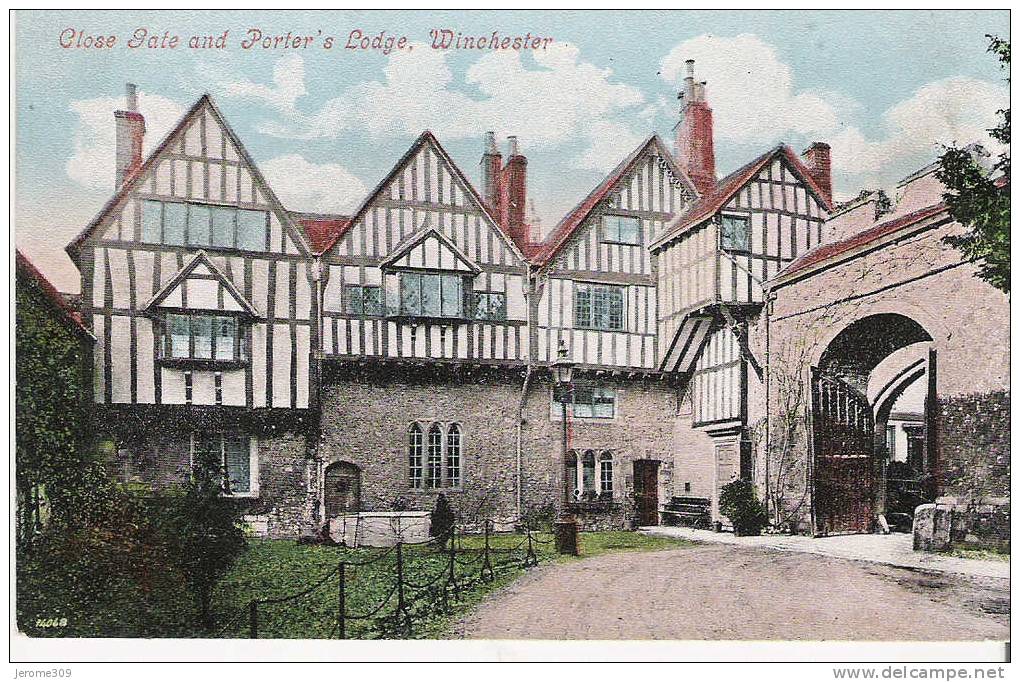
453	456
364	301
434	464
225	227
598	306
590	402
620	229
415	454
431	295
490	305
736	233
202	337
606	474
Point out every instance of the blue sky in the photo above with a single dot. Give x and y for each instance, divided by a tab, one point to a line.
325	125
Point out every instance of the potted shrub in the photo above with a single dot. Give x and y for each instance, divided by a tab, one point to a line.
740	504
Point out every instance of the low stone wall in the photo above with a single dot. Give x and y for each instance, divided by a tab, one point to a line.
982	524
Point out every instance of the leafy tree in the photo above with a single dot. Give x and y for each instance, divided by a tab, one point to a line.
978	199
203	530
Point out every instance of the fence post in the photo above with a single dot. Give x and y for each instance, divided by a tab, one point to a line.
530	559
402	613
253	619
487	573
342	601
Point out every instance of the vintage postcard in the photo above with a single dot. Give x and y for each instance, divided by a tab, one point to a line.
662	329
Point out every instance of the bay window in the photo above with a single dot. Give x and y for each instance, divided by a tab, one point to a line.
431	295
202	337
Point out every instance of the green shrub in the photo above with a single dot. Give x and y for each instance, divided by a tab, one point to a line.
441	526
740	504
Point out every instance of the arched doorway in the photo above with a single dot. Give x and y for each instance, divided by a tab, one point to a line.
342	493
848	461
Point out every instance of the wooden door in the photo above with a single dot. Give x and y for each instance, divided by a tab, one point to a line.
646	491
342	489
843	427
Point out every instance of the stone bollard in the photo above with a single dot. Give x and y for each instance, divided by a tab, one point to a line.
932	525
566	536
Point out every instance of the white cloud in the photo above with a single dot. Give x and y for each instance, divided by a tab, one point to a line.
563	100
755	101
288	85
953	110
750	90
92	163
306	186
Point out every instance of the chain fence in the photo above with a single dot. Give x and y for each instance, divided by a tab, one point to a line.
411	581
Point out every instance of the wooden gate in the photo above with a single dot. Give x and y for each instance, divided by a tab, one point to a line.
646	491
843	427
342	489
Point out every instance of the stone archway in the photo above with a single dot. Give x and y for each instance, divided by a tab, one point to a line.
848	466
342	489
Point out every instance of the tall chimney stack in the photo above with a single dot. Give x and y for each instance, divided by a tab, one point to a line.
695	148
818	159
492	165
514	191
130	128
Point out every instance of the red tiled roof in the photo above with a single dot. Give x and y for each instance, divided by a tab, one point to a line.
70	315
710	203
322	232
572	221
833	249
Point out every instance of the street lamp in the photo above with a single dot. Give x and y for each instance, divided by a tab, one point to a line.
563	373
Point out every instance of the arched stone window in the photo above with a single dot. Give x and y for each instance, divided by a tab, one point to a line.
588	476
606	475
434	463
415	453
453	456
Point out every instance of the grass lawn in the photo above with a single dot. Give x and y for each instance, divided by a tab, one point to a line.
978	553
271	569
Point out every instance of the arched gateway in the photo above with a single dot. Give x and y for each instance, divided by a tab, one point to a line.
848	473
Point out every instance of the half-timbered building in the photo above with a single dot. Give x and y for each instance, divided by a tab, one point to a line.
371	361
202	295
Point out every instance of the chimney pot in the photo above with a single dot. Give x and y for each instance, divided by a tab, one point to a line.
130	136
695	145
514	148
490	143
132	97
818	159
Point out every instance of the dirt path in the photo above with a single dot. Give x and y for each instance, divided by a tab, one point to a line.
717	592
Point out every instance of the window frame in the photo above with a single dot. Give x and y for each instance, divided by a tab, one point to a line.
239	351
598	288
193	208
584	476
443	481
442	276
362	288
597	391
477	294
253	459
746	218
617	237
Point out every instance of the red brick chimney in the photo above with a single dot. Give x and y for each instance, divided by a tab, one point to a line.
492	165
130	135
818	159
695	148
513	193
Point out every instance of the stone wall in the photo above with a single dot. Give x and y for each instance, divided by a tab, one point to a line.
366	419
973	438
153	448
922	278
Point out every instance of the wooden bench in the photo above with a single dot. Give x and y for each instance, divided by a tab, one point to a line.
695	512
